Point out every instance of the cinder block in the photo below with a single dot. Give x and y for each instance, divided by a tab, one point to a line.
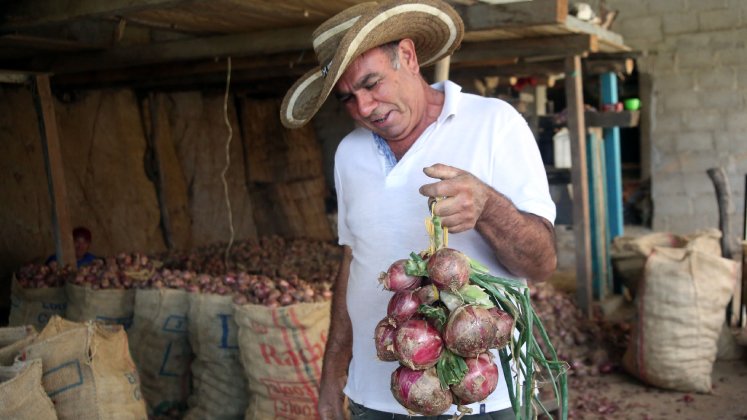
684	80
679	100
722	99
647	26
697	162
668	183
711	20
665	123
701	5
705	204
697	57
698	183
672	205
717	78
703	119
679	23
663	7
633	8
736	56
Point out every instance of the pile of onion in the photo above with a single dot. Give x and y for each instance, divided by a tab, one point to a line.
422	343
36	276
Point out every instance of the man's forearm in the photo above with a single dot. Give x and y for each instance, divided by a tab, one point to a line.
338	351
524	243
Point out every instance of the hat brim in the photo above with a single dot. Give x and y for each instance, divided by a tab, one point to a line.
435	28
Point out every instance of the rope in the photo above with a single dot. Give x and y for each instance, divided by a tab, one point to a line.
228	163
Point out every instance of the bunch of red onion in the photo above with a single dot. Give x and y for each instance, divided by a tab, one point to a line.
443	348
35	276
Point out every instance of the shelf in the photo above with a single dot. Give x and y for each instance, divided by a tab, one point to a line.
612	119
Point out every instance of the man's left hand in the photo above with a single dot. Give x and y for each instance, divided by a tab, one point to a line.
465	196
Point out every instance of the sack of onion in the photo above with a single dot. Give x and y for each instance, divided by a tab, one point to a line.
444	323
38	293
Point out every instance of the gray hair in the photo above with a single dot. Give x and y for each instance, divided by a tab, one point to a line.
392	50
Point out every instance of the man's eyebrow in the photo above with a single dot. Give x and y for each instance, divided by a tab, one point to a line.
365	80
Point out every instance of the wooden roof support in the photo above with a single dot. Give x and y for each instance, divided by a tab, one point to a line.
63	231
564	45
238	45
579	176
29	14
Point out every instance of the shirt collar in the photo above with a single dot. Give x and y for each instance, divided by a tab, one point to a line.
452	95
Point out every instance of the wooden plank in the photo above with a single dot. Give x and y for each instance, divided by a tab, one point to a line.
28	14
45	44
579	174
63	231
612	119
536	12
237	45
566	45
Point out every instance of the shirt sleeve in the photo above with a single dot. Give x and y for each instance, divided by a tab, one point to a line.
522	163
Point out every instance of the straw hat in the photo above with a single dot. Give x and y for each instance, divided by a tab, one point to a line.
434	26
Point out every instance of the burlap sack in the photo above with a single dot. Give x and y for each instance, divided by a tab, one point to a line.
13	340
35	306
22	396
629	253
109	306
680	305
281	352
88	371
160	348
219	387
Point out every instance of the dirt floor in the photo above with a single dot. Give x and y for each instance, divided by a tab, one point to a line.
620	396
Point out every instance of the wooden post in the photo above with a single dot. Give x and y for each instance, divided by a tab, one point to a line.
63	231
441	72
579	175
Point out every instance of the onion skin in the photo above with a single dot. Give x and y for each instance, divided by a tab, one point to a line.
419	391
384	340
448	269
396	279
469	331
504	328
479	382
417	344
403	306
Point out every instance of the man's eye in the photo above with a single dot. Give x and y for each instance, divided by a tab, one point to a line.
371	85
344	98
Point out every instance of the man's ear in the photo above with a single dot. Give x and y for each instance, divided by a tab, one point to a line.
407	55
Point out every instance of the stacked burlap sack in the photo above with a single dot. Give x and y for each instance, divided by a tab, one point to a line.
681	299
71	370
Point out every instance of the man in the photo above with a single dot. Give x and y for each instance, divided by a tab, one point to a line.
414	141
82	243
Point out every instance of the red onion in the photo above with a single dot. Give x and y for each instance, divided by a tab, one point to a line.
384	339
504	323
402	306
448	269
469	331
419	391
427	294
417	344
479	382
396	279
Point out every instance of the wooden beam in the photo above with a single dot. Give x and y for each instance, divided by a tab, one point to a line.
29	14
236	45
63	231
596	67
577	131
565	45
291	63
537	12
45	44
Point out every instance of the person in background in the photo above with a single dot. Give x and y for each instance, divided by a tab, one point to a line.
82	243
414	140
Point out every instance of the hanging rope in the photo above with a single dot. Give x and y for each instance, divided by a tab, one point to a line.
228	163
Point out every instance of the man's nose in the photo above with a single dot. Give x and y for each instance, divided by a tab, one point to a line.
366	104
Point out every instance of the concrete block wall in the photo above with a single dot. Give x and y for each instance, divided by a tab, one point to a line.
694	55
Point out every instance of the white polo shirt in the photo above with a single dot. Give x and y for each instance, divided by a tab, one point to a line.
381	216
